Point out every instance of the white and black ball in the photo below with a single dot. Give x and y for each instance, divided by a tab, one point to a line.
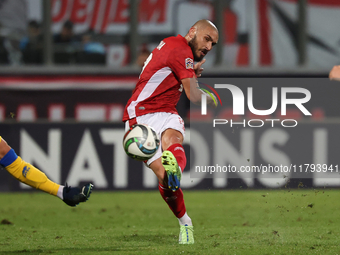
141	142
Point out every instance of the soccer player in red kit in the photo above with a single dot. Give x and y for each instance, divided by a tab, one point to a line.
167	71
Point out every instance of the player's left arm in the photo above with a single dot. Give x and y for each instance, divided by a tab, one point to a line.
194	93
334	74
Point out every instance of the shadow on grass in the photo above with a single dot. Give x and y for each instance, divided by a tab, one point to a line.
151	238
79	250
127	243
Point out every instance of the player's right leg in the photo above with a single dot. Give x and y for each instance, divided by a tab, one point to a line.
30	175
175	201
174	161
173	157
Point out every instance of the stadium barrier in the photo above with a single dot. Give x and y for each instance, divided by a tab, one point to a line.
80	152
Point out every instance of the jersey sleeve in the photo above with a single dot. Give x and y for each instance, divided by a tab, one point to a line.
181	63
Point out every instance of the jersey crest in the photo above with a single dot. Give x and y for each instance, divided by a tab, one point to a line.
189	63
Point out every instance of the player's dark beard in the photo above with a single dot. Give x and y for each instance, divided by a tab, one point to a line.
194	47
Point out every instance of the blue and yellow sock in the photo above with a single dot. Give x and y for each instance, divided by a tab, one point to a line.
27	173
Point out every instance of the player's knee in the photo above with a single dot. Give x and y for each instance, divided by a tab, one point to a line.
171	137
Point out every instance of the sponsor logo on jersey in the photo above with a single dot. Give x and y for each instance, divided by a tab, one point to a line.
189	63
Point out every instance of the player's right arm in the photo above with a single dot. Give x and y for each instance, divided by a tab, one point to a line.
182	64
194	93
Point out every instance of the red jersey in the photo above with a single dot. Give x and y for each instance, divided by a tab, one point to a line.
159	87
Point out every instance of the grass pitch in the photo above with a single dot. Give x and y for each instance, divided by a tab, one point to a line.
225	222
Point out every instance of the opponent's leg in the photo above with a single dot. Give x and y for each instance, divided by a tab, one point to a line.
28	174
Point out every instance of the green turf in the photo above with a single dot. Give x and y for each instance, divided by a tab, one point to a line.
226	222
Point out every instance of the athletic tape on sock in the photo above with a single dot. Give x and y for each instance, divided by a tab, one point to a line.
9	158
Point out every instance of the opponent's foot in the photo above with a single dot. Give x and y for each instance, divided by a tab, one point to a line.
186	234
172	170
73	196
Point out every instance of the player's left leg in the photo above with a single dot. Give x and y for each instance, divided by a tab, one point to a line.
30	175
175	201
171	129
174	161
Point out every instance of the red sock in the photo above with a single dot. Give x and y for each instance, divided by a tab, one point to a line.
174	200
179	153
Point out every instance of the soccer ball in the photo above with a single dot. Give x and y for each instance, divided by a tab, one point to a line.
141	142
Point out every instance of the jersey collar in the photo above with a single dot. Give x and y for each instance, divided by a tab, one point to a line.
182	38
